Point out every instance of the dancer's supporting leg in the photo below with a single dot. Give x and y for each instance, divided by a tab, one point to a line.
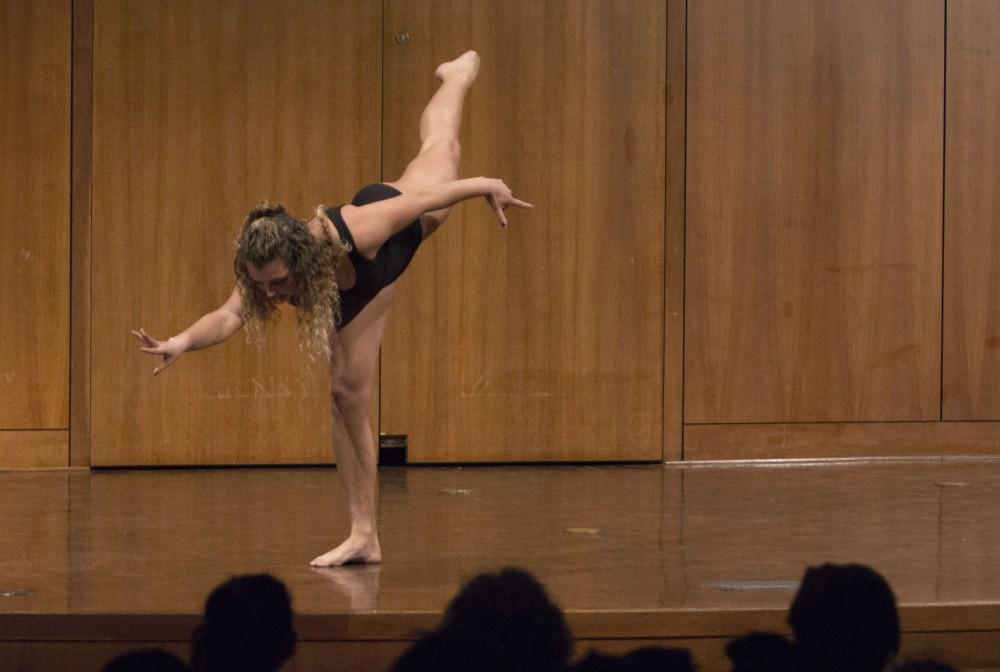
353	363
354	355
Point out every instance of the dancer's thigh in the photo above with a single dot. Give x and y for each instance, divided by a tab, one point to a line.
354	349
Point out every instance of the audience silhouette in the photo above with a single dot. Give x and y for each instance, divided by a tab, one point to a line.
647	658
924	666
844	617
503	621
247	627
146	660
767	652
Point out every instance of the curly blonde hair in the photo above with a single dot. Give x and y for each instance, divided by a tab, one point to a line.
269	233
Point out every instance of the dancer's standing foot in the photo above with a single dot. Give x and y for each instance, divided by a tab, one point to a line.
355	549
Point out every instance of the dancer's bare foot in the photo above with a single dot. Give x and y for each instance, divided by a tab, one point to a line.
465	68
356	549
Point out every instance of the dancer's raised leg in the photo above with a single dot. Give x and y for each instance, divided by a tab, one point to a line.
440	153
353	363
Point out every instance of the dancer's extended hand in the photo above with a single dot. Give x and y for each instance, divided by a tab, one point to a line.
170	350
500	198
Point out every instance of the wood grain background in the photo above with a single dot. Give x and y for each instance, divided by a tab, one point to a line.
751	215
814	211
971	385
202	110
34	233
543	341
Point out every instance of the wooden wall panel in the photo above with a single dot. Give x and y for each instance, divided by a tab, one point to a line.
543	341
34	235
972	213
34	449
202	110
813	279
804	440
80	215
673	327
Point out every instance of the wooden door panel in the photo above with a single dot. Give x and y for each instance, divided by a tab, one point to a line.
813	249
543	341
202	110
34	235
972	213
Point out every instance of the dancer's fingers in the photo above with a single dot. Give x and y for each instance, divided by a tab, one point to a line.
495	204
145	337
167	361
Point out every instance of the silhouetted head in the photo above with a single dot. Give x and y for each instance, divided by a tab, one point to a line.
247	627
643	659
845	617
146	660
766	652
505	619
497	623
924	666
442	650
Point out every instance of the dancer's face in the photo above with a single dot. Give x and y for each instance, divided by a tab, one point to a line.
274	280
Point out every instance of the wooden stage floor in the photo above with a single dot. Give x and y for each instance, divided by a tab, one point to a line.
93	563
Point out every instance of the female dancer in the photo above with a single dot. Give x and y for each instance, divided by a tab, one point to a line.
337	269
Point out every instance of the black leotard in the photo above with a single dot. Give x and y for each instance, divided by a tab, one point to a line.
372	275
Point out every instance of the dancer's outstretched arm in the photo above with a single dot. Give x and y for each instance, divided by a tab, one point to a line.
208	330
374	223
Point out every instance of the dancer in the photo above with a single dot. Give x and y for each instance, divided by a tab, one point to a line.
337	269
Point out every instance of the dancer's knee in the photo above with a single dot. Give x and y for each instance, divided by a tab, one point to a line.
444	149
348	393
